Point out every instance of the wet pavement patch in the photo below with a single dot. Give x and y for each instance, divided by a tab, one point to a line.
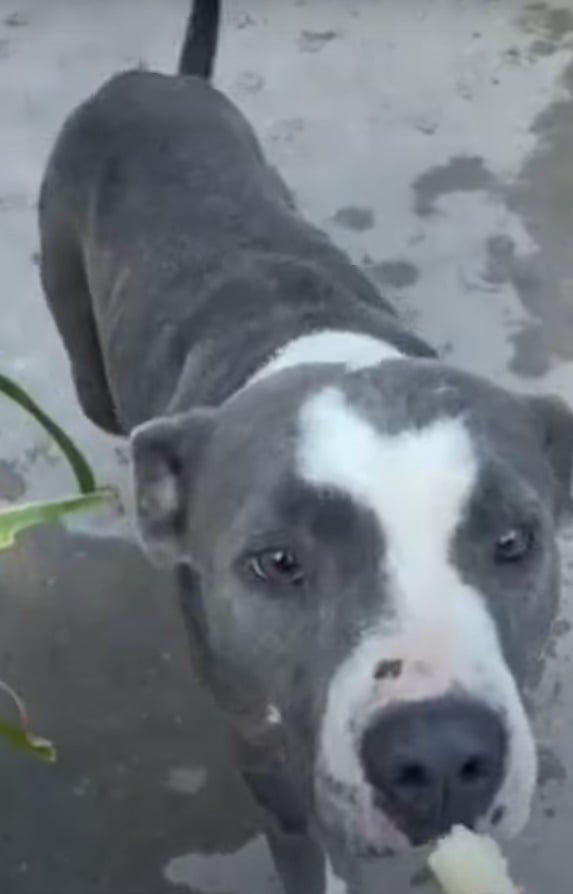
530	358
551	768
12	483
463	173
397	273
15	20
542	196
500	257
552	25
315	41
91	637
354	217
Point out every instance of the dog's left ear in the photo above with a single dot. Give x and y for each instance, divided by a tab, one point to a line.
553	419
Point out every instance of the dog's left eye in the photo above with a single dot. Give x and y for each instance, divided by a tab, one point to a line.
514	544
279	566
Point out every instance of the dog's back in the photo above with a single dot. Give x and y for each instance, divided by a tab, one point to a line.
158	166
173	260
143	194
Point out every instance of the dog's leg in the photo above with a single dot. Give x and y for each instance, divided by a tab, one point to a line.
299	862
298	859
68	297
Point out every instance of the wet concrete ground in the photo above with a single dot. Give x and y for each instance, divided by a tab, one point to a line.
434	140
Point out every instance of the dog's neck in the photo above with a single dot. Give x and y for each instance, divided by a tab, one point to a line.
350	349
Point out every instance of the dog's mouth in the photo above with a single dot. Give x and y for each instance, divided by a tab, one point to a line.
350	816
361	819
424	832
417	835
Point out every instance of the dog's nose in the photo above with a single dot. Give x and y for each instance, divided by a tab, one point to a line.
435	764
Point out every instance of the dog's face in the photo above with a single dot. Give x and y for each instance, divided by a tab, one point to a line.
379	569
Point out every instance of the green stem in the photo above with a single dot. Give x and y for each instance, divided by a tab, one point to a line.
80	466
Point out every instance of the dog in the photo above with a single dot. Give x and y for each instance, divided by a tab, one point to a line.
364	537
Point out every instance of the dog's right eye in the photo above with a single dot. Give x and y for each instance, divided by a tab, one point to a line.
279	566
514	545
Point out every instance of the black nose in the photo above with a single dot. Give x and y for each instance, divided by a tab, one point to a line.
435	764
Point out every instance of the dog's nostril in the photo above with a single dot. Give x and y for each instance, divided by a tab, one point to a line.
413	776
474	769
390	669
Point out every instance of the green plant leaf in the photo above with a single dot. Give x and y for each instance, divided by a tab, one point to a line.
79	464
24	741
19	736
15	519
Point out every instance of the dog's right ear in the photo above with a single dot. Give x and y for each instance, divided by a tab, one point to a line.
166	454
554	424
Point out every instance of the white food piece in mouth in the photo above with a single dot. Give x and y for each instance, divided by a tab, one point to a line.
466	863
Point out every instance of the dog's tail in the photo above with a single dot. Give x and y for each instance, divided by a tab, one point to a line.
201	38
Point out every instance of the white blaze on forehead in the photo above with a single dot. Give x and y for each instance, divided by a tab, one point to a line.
417	482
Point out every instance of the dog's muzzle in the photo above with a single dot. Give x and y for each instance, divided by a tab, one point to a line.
434	764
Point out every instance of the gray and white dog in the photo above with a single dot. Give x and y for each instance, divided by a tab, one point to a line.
365	537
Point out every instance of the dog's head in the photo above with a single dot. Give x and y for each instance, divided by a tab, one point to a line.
377	551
